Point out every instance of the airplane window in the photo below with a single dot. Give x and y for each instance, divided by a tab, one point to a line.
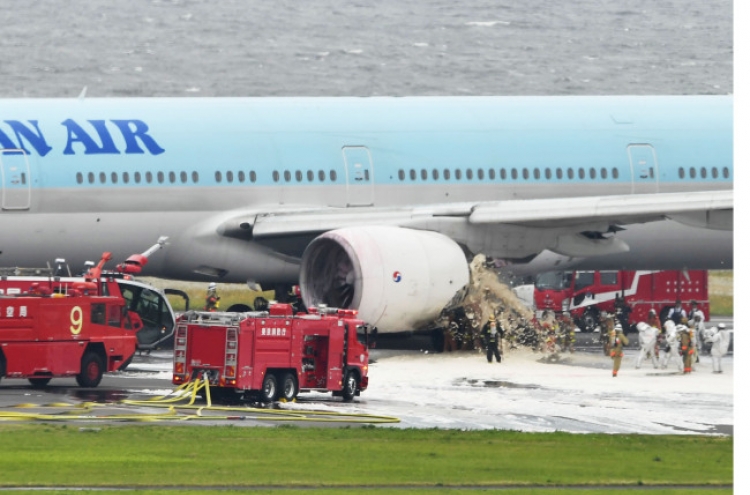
571	174
183	177
681	173
217	175
592	173
102	178
502	174
240	176
458	174
725	172
424	174
91	177
547	173
310	176
333	175
581	173
413	174
230	176
604	173
287	175
435	174
525	173
537	174
615	173
137	177
447	174
322	175
172	177
160	177
195	176
298	175
714	172
480	174
491	173
114	177
401	175
514	173
79	178
692	172
125	177
704	174
149	177
253	177
469	174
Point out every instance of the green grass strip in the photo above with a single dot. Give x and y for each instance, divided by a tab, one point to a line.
162	456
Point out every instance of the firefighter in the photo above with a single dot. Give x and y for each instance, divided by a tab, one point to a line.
653	321
677	313
212	298
672	345
617	341
607	327
567	333
450	335
719	339
686	347
492	333
646	337
698	319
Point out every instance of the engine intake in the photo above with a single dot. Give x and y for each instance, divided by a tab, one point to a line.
398	279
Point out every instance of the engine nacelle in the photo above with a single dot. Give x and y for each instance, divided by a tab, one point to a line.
398	279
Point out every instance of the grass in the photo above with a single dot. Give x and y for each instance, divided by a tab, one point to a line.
721	292
167	456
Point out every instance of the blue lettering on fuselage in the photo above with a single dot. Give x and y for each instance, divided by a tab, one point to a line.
93	139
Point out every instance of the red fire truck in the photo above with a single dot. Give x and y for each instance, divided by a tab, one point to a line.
588	293
273	354
83	333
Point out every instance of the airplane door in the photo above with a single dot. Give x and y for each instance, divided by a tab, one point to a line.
360	186
644	168
15	182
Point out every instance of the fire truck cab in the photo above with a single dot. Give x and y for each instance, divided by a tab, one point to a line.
83	333
273	354
588	293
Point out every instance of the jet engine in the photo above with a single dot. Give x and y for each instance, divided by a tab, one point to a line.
398	279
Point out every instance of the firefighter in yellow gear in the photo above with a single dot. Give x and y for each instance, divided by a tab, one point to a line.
687	348
212	298
617	341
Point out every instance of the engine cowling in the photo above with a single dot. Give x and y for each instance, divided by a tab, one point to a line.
398	279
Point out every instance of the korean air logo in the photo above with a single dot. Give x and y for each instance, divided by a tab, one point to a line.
397	277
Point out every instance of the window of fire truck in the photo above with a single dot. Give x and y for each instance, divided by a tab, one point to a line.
608	278
583	280
97	313
552	281
362	331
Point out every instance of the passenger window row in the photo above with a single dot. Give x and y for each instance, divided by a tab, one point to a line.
300	176
693	172
136	177
504	174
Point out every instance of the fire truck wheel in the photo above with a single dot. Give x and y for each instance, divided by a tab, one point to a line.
39	382
2	366
350	386
270	388
289	387
92	369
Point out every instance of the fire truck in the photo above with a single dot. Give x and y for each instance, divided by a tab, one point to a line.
627	294
274	354
83	332
151	304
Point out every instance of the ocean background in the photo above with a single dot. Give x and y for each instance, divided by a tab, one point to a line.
362	48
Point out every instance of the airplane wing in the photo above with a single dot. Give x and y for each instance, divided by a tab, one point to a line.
710	209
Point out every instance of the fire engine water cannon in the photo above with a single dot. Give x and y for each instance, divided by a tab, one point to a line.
135	263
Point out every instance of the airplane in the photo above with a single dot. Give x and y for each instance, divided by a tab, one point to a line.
369	203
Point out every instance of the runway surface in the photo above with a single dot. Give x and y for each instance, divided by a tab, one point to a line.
526	392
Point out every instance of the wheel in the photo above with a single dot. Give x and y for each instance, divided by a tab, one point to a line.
260	304
590	320
239	308
350	386
270	388
92	370
2	366
39	382
289	388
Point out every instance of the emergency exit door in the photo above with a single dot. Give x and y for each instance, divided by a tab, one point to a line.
360	186
643	168
15	182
